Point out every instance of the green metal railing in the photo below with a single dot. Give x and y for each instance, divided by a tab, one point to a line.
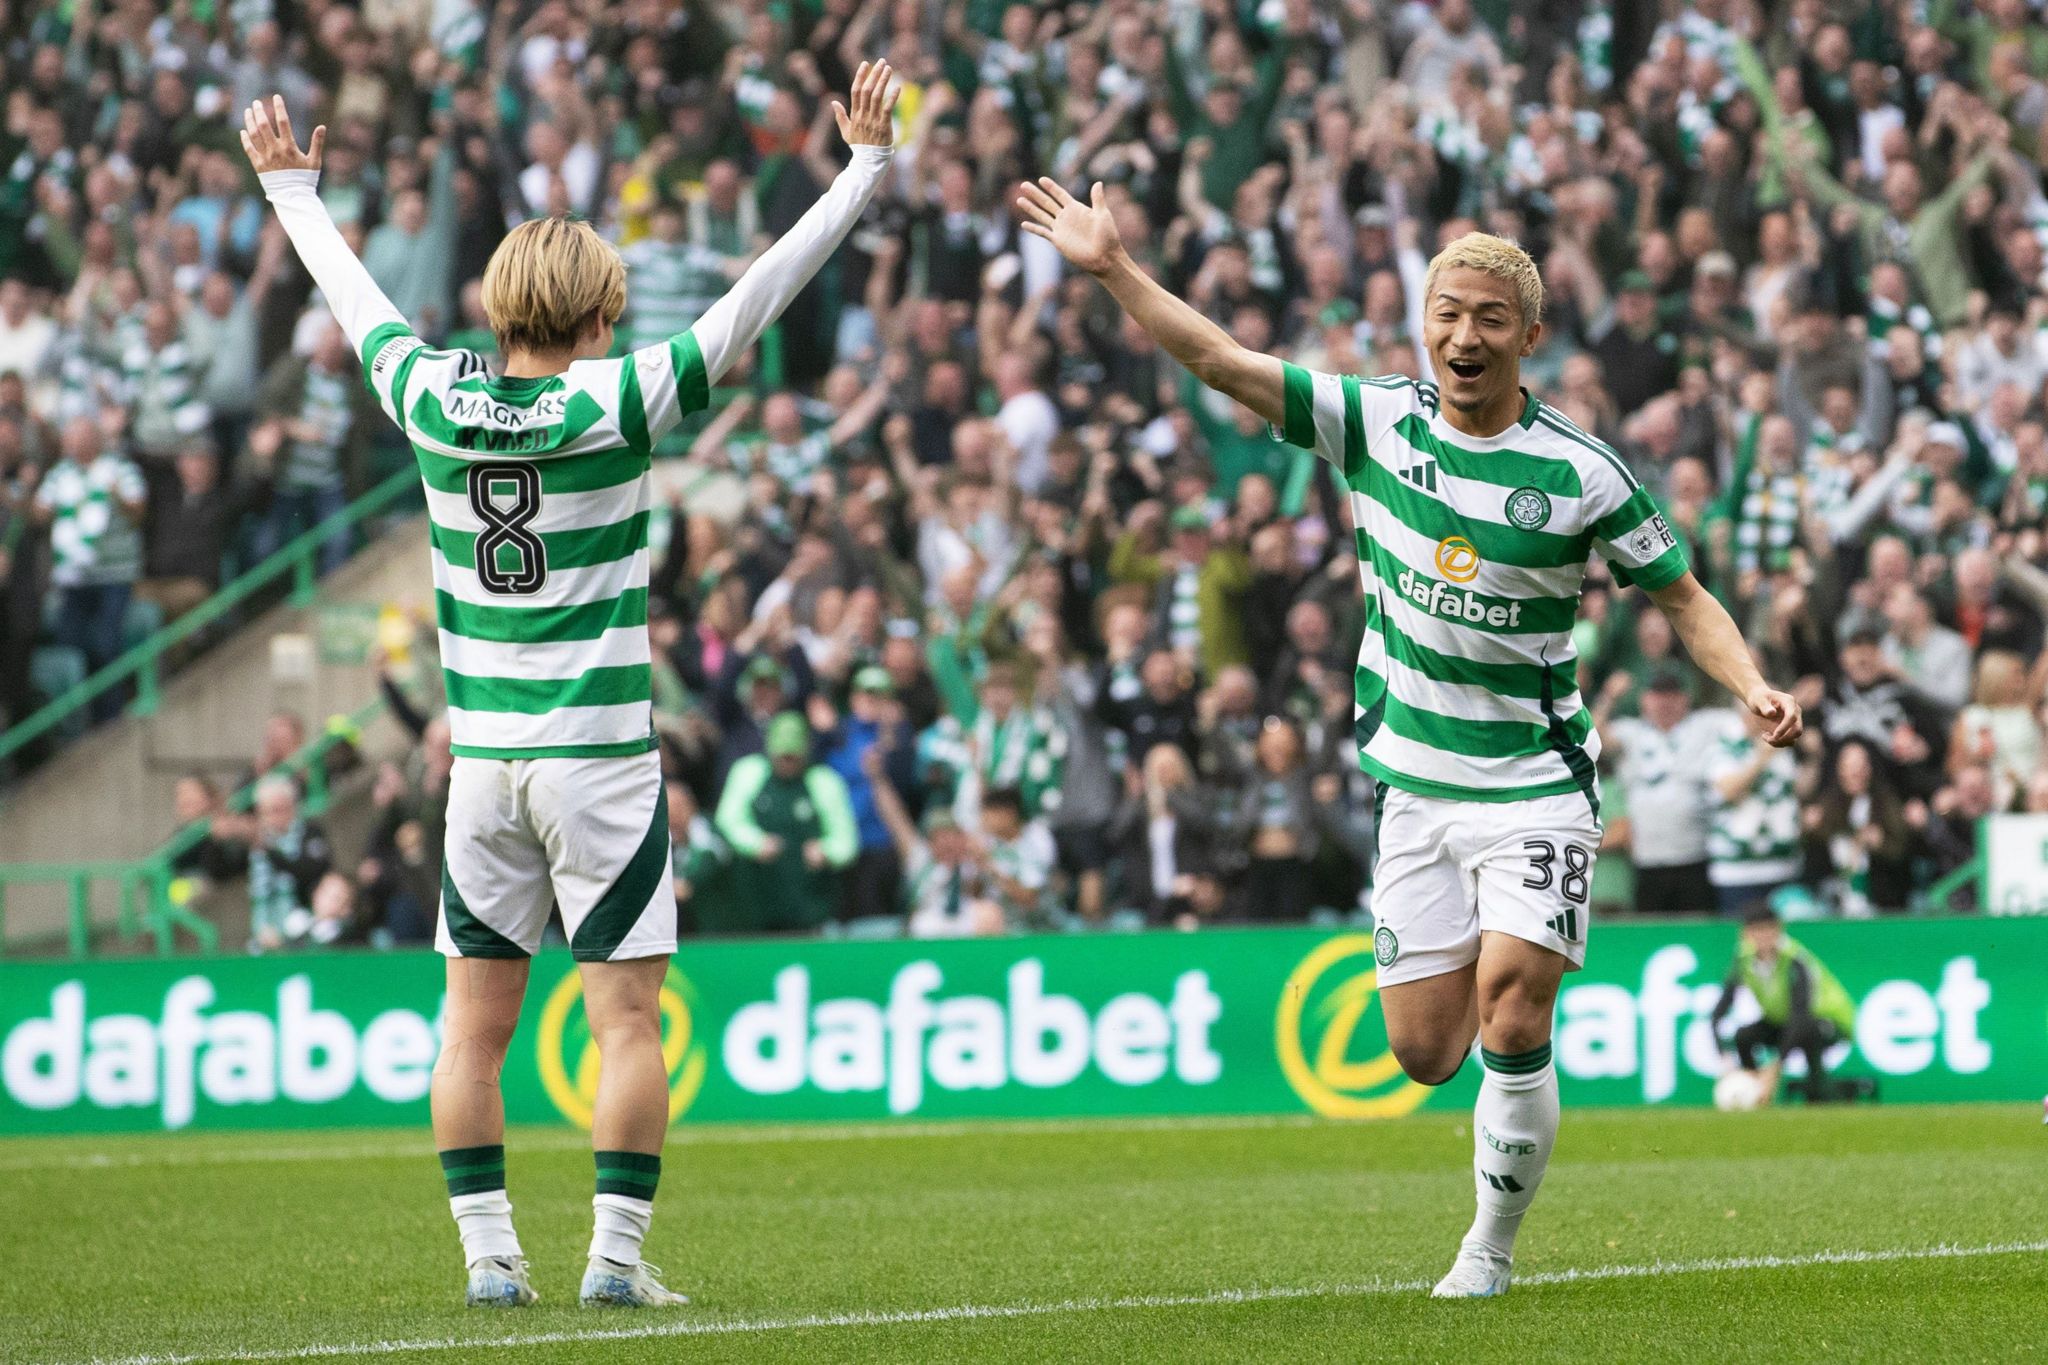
1934	900
146	889
298	560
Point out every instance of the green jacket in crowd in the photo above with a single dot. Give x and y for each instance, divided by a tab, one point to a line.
782	893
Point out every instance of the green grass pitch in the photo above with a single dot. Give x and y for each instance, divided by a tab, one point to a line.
1854	1234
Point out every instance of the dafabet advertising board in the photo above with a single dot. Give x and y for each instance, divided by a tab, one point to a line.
1221	1022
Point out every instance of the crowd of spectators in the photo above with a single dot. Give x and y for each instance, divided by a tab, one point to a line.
974	611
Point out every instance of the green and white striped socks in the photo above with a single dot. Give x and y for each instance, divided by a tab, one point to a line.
1514	1126
624	1204
476	1196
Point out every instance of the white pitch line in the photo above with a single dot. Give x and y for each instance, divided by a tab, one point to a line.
983	1312
709	1136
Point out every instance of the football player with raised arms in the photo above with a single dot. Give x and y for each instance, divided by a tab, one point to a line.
1476	509
538	491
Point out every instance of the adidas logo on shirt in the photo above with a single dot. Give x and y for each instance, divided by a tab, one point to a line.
1422	475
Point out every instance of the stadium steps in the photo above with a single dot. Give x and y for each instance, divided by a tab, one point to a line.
108	796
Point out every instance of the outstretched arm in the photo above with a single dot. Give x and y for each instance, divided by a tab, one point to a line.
1710	637
290	178
1086	235
736	321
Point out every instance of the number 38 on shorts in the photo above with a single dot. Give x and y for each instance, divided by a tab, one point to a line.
1450	870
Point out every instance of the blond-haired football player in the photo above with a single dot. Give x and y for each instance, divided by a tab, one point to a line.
538	490
1476	508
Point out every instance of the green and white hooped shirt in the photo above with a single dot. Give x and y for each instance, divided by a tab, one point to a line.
538	489
1753	841
1471	553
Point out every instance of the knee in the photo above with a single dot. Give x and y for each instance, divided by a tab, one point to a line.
626	1024
1429	1063
1515	1019
476	1051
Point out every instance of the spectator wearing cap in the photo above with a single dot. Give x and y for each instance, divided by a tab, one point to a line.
1662	758
790	824
1637	350
752	689
1714	309
873	720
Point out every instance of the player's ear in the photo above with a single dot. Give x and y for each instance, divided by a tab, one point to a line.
1531	337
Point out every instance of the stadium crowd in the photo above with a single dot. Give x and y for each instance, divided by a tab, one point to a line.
974	608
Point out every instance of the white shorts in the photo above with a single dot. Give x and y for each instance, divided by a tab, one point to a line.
589	835
1449	869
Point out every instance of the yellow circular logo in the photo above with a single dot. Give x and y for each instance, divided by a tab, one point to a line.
1322	1030
568	1054
1457	559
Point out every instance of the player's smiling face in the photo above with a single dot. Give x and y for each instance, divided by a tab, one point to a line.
1473	330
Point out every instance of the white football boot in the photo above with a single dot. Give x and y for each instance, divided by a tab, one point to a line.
607	1284
500	1282
1476	1274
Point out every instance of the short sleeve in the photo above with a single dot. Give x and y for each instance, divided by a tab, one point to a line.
1334	414
666	382
1631	534
1317	409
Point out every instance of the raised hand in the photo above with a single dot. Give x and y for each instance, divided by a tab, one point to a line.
871	122
269	141
1084	233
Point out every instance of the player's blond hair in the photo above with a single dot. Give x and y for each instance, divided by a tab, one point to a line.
1499	257
549	282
